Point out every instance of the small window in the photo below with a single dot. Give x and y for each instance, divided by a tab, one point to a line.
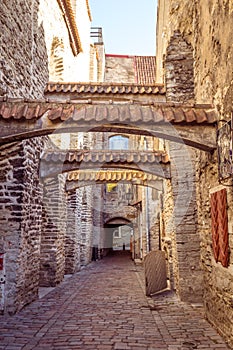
116	234
111	187
118	142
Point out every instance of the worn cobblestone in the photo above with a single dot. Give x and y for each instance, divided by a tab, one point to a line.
104	307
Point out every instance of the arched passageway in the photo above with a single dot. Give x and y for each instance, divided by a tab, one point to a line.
118	232
72	216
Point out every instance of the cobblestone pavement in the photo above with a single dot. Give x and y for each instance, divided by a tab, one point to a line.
104	307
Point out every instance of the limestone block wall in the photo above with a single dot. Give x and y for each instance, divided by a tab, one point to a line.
168	241
218	280
85	223
185	222
181	240
214	54
52	259
179	70
119	69
34	42
20	218
72	239
73	68
23	52
207	27
98	222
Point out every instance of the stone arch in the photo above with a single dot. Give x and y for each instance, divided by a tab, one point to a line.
117	233
56	65
118	220
179	70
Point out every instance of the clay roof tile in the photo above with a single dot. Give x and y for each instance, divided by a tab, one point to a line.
55	113
179	115
201	117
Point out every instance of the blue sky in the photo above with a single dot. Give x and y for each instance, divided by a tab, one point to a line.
129	26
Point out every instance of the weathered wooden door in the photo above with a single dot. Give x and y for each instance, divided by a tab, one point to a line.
155	272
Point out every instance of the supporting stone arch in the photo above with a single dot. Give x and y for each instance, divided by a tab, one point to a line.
118	234
118	220
153	162
194	125
78	179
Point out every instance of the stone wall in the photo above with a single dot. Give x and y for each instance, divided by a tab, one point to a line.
85	223
74	68
72	239
168	242
207	27
187	240
179	70
20	218
119	69
218	280
23	54
180	238
52	259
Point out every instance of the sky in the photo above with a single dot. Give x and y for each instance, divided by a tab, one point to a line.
129	26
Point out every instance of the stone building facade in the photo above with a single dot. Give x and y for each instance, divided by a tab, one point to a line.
40	41
49	229
194	60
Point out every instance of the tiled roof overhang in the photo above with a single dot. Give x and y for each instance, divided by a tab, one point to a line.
55	162
104	88
191	124
81	178
69	18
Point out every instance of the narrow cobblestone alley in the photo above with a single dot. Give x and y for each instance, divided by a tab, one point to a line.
104	307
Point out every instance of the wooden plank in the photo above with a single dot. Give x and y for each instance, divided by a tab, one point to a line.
155	272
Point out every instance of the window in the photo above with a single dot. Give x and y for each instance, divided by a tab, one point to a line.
116	234
118	142
111	187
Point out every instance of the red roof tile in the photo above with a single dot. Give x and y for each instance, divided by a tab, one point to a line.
55	162
108	175
103	156
81	178
109	112
105	88
145	69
